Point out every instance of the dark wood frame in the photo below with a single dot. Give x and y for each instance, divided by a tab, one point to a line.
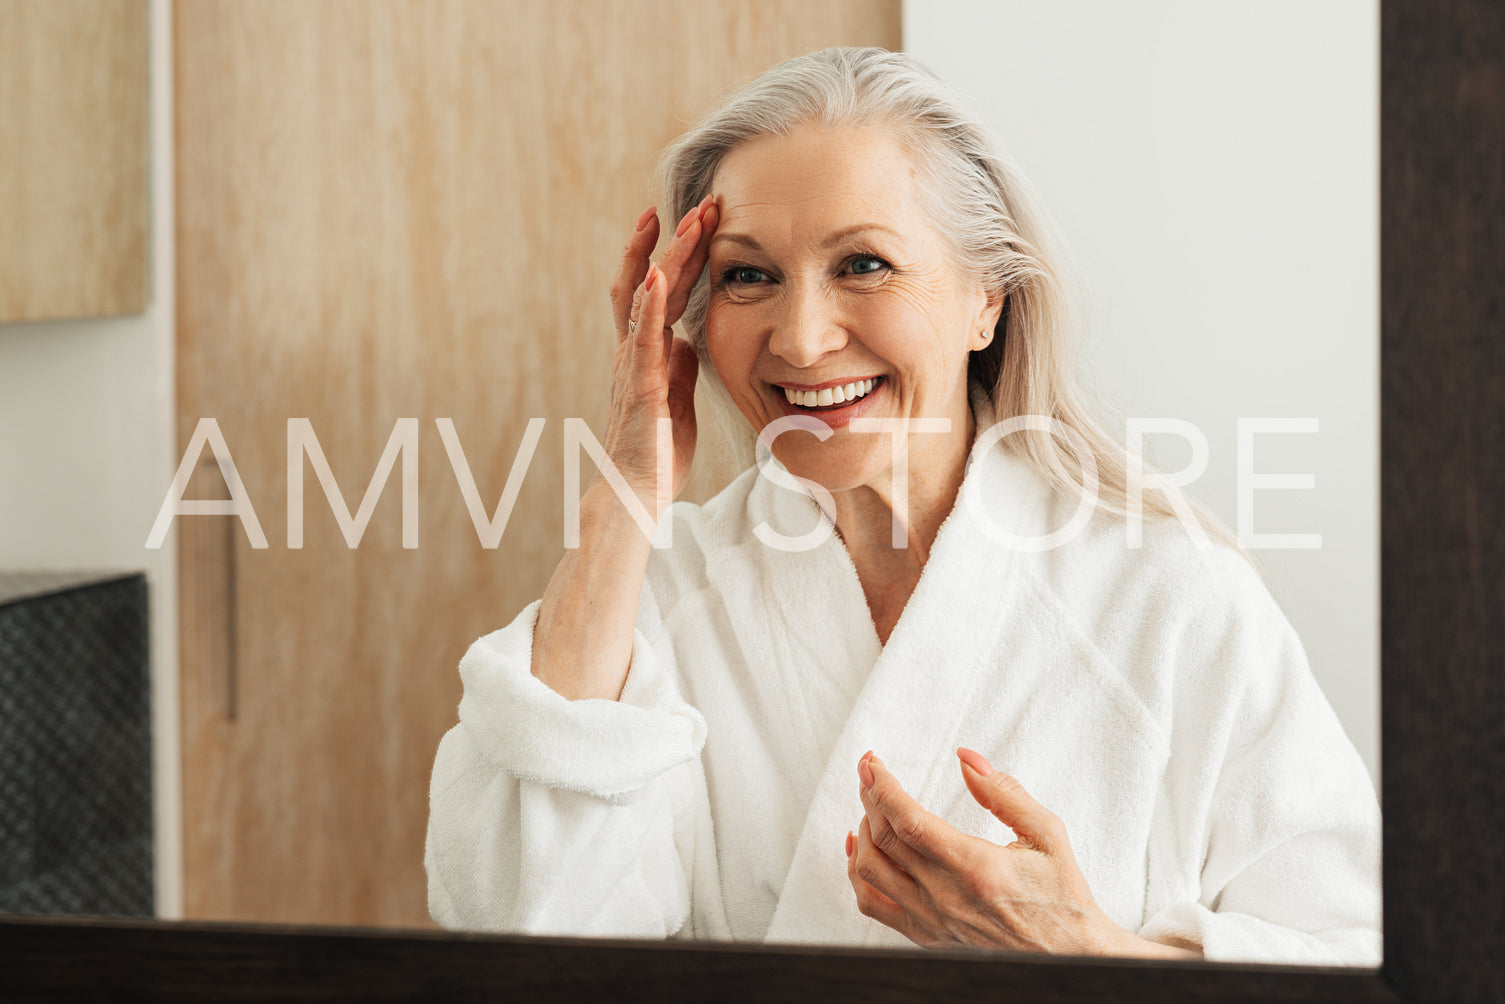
1443	712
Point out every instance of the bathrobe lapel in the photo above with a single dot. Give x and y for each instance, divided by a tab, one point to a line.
800	622
942	650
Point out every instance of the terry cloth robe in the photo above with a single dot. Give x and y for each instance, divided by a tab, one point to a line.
1155	699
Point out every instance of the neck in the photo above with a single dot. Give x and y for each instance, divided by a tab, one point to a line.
888	530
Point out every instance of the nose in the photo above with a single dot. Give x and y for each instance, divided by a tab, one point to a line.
807	329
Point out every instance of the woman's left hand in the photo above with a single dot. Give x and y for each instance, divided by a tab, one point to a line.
938	886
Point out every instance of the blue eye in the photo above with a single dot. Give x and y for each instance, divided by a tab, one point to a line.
744	275
867	265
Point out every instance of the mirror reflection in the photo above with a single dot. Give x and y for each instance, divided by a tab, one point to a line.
999	606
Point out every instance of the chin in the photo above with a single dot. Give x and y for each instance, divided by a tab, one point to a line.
829	468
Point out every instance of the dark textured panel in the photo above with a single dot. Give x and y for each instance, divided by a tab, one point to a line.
18	586
75	749
1443	465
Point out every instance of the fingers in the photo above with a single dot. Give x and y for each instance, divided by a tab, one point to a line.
1003	796
905	831
648	361
694	264
633	268
679	260
682	262
879	884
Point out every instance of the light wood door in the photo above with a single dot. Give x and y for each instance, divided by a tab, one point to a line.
398	210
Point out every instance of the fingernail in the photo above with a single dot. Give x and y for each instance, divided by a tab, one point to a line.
864	771
684	224
705	205
849	843
647	215
975	760
652	275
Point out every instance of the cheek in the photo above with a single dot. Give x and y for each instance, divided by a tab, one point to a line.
732	351
716	341
904	329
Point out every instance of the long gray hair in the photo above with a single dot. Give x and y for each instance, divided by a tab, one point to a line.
982	204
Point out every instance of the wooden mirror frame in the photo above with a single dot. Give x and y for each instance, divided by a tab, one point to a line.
1443	692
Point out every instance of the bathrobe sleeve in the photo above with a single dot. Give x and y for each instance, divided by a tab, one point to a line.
550	816
1269	826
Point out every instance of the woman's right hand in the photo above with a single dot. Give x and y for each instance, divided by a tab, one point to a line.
582	642
653	373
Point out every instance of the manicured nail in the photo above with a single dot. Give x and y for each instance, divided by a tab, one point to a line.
647	215
652	275
975	760
684	224
705	205
864	771
849	843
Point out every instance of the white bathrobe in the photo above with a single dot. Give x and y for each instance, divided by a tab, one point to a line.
1155	699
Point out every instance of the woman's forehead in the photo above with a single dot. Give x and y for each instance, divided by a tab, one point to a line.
814	181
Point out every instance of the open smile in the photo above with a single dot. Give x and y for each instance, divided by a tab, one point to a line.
827	397
836	403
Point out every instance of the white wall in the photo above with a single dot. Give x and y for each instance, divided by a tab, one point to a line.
1214	168
86	455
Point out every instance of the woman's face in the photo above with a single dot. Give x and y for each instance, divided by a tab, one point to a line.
826	274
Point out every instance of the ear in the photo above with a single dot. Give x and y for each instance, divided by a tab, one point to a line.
987	321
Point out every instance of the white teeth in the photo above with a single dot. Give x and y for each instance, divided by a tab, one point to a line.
830	395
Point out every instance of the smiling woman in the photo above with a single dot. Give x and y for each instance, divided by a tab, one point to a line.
679	741
821	306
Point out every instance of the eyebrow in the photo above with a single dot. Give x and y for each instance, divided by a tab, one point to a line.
844	234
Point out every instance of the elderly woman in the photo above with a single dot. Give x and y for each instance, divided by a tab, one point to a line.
1088	747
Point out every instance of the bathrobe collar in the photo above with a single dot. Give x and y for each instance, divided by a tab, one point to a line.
933	660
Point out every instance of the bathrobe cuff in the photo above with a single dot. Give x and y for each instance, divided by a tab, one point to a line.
1239	937
609	749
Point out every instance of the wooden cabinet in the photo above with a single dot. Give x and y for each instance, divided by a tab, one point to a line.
393	210
73	158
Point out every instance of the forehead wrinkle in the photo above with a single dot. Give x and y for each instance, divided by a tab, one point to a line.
772	193
805	229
